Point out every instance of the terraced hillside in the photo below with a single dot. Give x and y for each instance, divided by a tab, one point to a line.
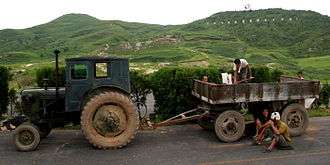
285	39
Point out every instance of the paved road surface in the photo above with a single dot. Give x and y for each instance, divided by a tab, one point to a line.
184	144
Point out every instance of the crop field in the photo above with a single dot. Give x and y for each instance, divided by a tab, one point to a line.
316	67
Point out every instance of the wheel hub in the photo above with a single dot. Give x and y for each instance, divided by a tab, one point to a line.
295	120
26	137
230	126
109	120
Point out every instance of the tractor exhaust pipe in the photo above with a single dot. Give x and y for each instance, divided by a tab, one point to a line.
56	52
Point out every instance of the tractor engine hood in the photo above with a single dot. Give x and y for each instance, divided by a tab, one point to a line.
36	102
41	93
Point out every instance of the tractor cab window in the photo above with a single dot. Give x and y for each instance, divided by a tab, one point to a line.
101	70
79	71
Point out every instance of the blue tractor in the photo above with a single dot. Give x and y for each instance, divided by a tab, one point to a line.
96	95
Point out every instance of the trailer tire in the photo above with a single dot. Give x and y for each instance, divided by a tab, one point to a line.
26	137
109	120
296	117
230	126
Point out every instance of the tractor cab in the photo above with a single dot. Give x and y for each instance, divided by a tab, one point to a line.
86	75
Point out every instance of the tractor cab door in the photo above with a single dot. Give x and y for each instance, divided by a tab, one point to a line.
78	74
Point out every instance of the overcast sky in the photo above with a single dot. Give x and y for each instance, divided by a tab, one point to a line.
28	13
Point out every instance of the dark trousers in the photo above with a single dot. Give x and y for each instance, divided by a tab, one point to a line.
243	75
282	143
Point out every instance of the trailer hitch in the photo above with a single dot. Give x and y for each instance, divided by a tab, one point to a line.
193	114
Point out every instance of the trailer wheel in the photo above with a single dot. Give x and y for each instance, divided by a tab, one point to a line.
296	117
26	137
109	120
230	126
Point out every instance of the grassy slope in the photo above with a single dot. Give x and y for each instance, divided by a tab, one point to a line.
287	44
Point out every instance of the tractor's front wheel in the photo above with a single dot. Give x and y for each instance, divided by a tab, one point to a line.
109	120
26	137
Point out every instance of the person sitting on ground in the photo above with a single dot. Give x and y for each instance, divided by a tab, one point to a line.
242	71
281	137
263	127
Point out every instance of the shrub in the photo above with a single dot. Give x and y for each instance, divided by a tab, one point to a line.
265	74
325	94
140	86
275	75
49	73
12	98
24	80
4	79
172	88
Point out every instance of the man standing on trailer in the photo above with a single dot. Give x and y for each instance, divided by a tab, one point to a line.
242	71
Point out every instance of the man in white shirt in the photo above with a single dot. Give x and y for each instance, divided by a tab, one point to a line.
242	71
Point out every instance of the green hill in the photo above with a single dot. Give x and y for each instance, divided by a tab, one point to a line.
273	37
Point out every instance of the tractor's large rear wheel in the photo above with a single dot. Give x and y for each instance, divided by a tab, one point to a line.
229	126
109	120
296	117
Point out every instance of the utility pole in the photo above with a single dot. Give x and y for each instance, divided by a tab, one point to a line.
56	52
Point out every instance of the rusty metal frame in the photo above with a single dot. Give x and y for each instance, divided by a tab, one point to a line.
289	88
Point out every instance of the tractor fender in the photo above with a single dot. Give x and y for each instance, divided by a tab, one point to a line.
98	90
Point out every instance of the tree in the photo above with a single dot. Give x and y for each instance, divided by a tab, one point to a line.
325	95
4	79
12	99
140	86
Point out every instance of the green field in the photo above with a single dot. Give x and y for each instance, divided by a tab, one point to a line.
315	62
316	67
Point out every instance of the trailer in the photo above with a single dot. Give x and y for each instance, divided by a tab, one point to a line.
223	104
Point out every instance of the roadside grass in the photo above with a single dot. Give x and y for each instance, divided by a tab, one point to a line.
319	112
